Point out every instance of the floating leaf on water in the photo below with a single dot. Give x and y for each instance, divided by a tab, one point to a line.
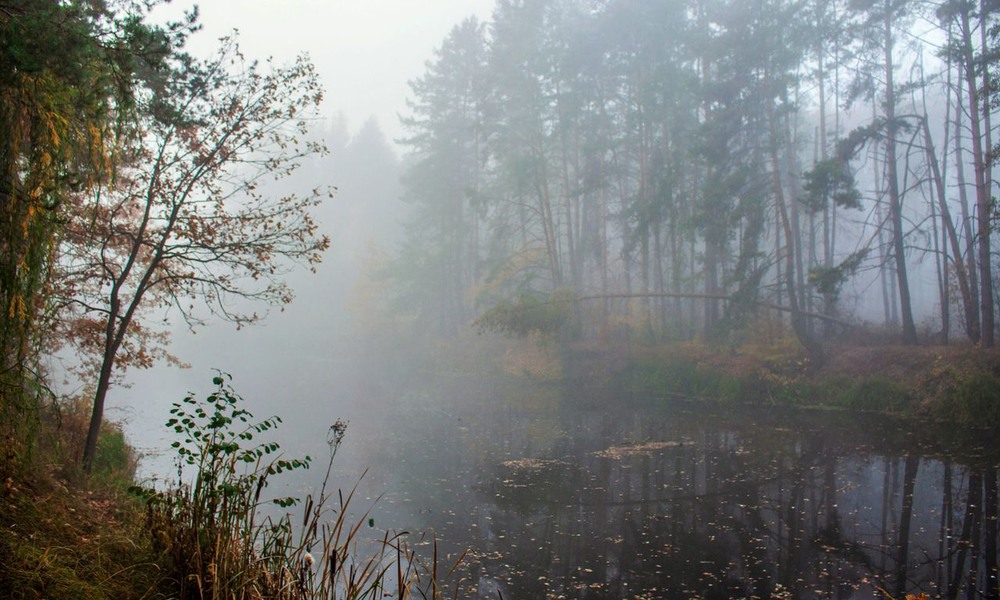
617	452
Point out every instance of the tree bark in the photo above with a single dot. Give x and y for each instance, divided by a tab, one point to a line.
968	301
799	324
895	200
983	196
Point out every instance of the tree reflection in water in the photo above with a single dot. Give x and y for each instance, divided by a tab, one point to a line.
677	501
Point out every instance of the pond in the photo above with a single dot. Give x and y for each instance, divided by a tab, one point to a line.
553	493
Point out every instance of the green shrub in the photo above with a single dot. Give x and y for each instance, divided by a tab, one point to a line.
209	529
730	388
876	394
115	460
977	399
677	377
531	313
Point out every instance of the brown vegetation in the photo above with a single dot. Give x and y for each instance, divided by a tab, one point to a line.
63	537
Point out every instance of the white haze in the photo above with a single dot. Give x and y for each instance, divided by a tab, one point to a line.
291	364
365	52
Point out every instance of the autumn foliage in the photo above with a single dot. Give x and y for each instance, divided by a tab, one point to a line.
185	226
135	189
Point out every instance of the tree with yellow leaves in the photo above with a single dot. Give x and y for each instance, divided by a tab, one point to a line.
69	71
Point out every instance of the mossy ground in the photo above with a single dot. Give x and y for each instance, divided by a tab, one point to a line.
62	538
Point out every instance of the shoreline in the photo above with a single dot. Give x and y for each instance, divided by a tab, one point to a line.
960	384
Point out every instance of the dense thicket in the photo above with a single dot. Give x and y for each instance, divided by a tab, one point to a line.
689	168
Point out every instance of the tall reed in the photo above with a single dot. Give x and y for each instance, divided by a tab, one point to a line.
218	543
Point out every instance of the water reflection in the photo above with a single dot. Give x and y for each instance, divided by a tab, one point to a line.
624	499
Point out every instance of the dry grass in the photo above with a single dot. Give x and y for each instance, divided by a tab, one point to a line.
63	537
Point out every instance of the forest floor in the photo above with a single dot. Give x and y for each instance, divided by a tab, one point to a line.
911	364
62	537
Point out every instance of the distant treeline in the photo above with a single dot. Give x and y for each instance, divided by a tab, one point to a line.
690	151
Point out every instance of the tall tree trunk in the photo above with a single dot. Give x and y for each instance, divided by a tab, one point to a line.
799	324
888	309
645	224
942	266
895	199
100	396
982	172
569	205
968	300
943	274
822	131
120	315
711	288
968	254
544	193
791	180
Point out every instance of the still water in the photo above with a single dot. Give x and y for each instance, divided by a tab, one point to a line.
554	493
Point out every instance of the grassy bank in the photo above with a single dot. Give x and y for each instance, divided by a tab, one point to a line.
66	537
952	383
959	383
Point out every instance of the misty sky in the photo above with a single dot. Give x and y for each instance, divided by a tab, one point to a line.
364	51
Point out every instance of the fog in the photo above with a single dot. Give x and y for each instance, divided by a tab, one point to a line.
379	63
491	172
299	362
365	53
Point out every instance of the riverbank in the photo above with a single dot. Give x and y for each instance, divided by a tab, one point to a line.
959	383
215	532
64	536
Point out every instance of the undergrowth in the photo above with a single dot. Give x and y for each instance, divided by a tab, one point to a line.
769	385
875	393
965	395
952	390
